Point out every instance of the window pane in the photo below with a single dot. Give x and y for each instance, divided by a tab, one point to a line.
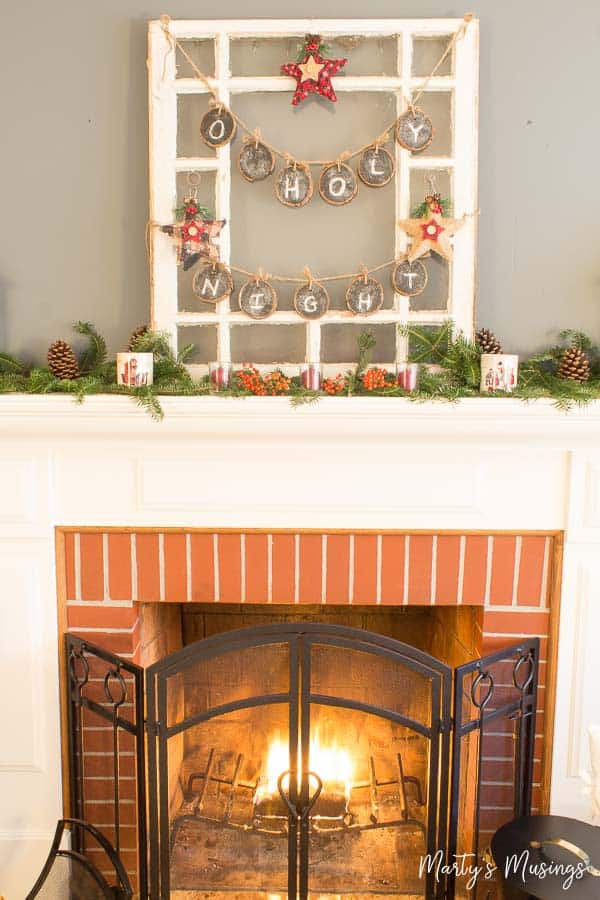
203	54
204	339
426	53
438	106
190	109
268	343
339	343
265	56
329	239
436	293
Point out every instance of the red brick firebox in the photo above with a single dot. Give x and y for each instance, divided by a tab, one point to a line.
103	574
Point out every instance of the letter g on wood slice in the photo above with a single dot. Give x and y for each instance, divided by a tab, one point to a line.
212	282
338	184
257	298
311	301
217	127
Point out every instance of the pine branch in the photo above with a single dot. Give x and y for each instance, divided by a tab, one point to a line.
95	354
11	365
366	342
146	398
428	343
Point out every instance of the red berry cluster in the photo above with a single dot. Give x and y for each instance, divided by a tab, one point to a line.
191	210
276	383
335	385
375	379
270	385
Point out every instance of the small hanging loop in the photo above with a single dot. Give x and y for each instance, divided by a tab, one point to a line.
308	275
193	180
364	272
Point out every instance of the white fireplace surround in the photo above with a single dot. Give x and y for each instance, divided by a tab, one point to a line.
486	464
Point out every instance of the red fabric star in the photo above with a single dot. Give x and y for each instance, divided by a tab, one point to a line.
431	230
317	81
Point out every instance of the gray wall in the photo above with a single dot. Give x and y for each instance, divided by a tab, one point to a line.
74	175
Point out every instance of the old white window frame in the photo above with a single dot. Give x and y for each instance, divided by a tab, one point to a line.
164	89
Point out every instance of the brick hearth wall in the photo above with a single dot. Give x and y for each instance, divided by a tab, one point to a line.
106	573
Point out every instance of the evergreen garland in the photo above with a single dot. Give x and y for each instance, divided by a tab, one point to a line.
450	370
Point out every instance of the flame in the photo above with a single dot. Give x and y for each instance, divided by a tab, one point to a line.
330	762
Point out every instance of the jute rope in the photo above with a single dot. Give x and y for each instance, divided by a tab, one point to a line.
252	133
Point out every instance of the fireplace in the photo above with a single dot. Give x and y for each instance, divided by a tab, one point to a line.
299	755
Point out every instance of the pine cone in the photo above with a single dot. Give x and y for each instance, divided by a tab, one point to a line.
488	341
62	361
574	365
135	335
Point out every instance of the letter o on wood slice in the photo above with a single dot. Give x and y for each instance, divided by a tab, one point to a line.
338	184
311	301
212	282
414	130
294	185
257	298
409	278
255	162
376	167
217	127
364	296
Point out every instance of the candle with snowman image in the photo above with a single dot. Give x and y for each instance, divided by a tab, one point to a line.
135	369
499	372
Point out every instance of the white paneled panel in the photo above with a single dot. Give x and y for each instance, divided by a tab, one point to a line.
24	489
578	700
20	665
30	762
584	508
95	487
356	485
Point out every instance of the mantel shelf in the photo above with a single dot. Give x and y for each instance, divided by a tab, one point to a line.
363	419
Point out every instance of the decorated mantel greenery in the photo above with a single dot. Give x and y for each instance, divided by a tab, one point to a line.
568	373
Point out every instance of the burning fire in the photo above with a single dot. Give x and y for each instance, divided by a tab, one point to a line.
331	763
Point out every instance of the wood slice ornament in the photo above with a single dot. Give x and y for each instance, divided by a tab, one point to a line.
217	126
338	184
364	296
212	282
257	298
376	166
311	300
256	161
414	130
294	185
409	277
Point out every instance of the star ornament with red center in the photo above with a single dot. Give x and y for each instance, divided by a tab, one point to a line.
430	233
313	72
195	238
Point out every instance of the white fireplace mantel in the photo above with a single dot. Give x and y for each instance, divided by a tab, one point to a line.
480	464
467	419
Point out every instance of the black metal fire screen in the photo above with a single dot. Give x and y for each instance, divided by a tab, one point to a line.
305	760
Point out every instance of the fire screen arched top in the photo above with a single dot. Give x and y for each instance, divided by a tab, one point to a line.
306	757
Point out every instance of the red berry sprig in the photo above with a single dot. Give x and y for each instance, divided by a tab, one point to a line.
272	385
334	386
276	383
376	379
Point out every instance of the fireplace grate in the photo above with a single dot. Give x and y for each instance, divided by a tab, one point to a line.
389	802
